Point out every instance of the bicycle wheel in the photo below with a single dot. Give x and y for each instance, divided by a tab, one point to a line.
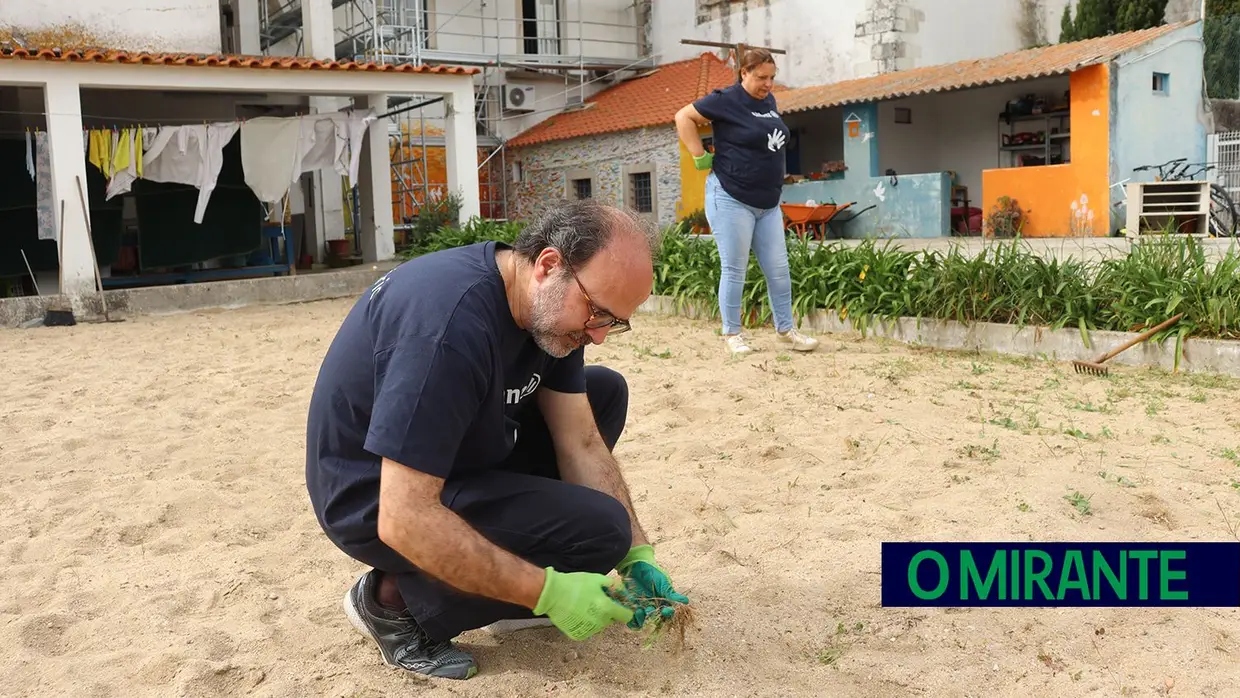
1224	217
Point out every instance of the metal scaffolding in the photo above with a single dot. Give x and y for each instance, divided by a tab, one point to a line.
538	39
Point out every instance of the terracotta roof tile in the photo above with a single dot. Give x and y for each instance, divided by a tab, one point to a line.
652	100
219	60
1009	67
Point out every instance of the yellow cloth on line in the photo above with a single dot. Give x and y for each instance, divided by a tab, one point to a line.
137	149
100	151
120	158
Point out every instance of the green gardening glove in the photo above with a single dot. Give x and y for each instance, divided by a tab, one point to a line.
577	603
704	161
645	579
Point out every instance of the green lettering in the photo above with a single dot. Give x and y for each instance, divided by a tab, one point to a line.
1039	577
1143	578
1073	563
1015	574
944	576
969	573
1120	585
1165	574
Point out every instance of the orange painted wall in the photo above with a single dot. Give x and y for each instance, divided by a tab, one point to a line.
1068	200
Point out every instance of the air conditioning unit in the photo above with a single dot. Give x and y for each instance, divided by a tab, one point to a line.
518	98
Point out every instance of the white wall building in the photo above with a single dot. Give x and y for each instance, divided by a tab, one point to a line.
843	39
189	26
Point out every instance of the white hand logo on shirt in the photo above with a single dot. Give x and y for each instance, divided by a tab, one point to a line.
775	140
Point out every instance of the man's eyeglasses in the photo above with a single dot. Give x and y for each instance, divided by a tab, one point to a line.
599	318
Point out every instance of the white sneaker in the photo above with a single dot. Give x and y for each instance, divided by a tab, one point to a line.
737	345
512	625
798	341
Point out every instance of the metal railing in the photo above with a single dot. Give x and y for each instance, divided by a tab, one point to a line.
406	31
1223	151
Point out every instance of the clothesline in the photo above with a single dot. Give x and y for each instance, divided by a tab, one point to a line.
275	152
133	122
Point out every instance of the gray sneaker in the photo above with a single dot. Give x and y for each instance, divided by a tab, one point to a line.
401	640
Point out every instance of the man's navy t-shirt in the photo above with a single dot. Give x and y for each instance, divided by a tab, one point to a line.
430	370
749	144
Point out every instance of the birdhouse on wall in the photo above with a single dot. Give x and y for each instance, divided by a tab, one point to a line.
853	122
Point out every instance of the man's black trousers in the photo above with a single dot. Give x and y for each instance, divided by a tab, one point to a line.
524	508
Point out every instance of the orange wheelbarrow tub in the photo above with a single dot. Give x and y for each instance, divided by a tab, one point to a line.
803	218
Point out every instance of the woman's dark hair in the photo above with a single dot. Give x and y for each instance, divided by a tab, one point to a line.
754	57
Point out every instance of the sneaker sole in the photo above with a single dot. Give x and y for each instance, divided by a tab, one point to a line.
355	619
513	625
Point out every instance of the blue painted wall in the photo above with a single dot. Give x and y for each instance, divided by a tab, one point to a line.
1150	127
914	206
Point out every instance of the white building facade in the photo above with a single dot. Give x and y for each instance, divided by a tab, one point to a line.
843	39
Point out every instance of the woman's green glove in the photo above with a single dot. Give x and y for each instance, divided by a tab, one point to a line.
646	580
704	161
577	603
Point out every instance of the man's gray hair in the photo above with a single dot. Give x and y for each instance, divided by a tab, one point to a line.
579	229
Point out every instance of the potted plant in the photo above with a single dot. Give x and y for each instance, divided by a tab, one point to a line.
698	225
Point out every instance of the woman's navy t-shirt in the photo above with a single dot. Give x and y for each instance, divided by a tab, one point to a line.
749	144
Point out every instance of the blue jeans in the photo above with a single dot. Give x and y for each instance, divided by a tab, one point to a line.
736	228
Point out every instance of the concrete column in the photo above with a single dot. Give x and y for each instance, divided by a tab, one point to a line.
462	151
248	23
374	185
318	32
63	105
324	206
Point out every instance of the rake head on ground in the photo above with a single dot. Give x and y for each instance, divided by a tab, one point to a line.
1092	368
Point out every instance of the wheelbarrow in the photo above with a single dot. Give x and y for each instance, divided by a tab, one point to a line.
811	219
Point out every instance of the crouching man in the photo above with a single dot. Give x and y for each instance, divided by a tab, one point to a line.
458	445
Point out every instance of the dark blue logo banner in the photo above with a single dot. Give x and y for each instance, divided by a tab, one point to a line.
1061	574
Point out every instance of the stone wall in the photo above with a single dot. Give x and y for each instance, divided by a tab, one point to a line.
888	26
546	169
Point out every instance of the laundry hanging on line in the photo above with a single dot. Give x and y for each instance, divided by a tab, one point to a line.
45	202
29	155
276	151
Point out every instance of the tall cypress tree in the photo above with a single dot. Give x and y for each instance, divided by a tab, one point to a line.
1131	15
1094	18
1067	30
1221	33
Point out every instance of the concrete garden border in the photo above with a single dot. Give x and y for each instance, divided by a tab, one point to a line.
1199	355
182	298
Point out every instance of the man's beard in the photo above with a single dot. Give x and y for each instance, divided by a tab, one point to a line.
548	304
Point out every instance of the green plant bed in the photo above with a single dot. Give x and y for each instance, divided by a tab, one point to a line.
1004	283
447	236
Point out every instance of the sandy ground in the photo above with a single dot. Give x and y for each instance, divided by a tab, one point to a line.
155	537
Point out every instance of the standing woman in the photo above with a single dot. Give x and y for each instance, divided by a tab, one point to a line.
743	192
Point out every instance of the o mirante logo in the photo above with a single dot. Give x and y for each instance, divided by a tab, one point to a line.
1061	574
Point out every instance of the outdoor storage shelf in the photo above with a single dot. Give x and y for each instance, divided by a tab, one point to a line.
1176	207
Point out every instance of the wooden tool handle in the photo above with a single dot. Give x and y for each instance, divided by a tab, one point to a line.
1141	337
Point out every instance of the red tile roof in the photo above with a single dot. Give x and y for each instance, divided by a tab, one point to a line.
219	60
1009	67
652	100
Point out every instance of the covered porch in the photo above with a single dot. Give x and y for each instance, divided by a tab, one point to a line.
77	129
1014	144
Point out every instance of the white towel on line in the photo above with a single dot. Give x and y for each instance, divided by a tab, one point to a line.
189	155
